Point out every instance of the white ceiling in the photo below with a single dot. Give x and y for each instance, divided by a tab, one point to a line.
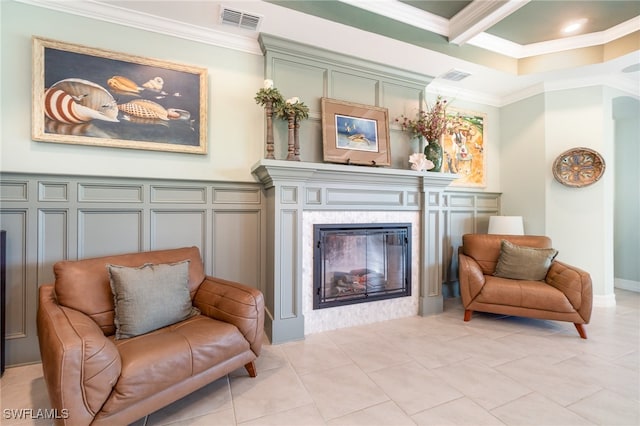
199	20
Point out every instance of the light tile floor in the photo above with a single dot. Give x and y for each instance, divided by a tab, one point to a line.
435	370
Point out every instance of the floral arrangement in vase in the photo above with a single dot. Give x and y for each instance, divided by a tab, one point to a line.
430	123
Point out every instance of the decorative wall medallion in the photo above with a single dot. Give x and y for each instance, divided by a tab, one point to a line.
578	167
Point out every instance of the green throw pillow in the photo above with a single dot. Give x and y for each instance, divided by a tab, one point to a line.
150	297
524	263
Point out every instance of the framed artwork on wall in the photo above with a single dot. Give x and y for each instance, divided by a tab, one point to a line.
355	133
88	96
464	149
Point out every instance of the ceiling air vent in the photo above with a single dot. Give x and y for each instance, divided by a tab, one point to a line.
240	19
455	75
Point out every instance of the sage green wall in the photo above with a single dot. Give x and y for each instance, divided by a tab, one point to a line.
534	132
580	220
626	113
522	162
235	122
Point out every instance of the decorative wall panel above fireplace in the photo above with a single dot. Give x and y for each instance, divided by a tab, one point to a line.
355	263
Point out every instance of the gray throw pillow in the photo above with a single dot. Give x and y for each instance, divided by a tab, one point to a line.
524	263
150	297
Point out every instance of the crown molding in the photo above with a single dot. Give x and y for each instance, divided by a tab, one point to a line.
117	15
519	51
437	87
479	16
404	13
620	83
250	44
623	84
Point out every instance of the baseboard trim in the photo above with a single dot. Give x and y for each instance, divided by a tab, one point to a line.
604	301
627	284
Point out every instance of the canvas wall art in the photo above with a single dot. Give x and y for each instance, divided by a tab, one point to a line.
97	97
464	148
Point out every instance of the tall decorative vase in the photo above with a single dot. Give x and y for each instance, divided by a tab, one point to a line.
433	152
296	140
268	109
291	141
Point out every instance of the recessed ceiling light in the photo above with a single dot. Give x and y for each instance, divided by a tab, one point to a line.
574	26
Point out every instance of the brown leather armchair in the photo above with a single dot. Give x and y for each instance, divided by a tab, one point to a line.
565	294
94	378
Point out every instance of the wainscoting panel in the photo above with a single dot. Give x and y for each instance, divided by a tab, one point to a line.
52	241
237	231
178	195
54	217
468	212
49	218
109	231
15	222
179	228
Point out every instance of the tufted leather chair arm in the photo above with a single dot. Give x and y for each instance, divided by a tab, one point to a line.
234	303
575	284
81	365
471	278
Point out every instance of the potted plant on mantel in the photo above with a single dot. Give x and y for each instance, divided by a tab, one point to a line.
294	111
270	98
430	123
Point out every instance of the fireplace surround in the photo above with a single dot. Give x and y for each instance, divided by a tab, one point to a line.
292	189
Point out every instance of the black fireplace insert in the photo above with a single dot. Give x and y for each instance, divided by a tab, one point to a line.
355	263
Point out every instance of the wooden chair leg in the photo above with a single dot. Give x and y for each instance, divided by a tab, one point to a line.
581	330
251	369
467	314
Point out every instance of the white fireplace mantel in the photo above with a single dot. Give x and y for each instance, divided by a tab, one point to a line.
293	187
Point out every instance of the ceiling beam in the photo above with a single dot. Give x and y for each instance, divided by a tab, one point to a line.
478	16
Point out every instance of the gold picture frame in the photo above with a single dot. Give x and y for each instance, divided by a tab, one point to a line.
88	96
464	147
355	134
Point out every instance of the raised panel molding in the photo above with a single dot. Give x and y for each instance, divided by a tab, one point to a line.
359	196
102	232
236	196
110	193
53	191
311	73
178	228
13	190
178	194
237	231
57	217
15	222
53	241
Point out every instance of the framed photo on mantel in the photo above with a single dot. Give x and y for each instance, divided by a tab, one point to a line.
88	96
355	134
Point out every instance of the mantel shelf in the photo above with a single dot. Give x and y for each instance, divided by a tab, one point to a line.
271	171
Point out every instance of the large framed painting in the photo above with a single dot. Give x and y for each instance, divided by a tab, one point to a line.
97	97
464	147
355	133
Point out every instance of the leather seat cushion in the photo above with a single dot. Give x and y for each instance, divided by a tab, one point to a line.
155	361
524	294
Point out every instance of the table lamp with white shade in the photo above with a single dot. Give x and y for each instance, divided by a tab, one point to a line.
506	225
